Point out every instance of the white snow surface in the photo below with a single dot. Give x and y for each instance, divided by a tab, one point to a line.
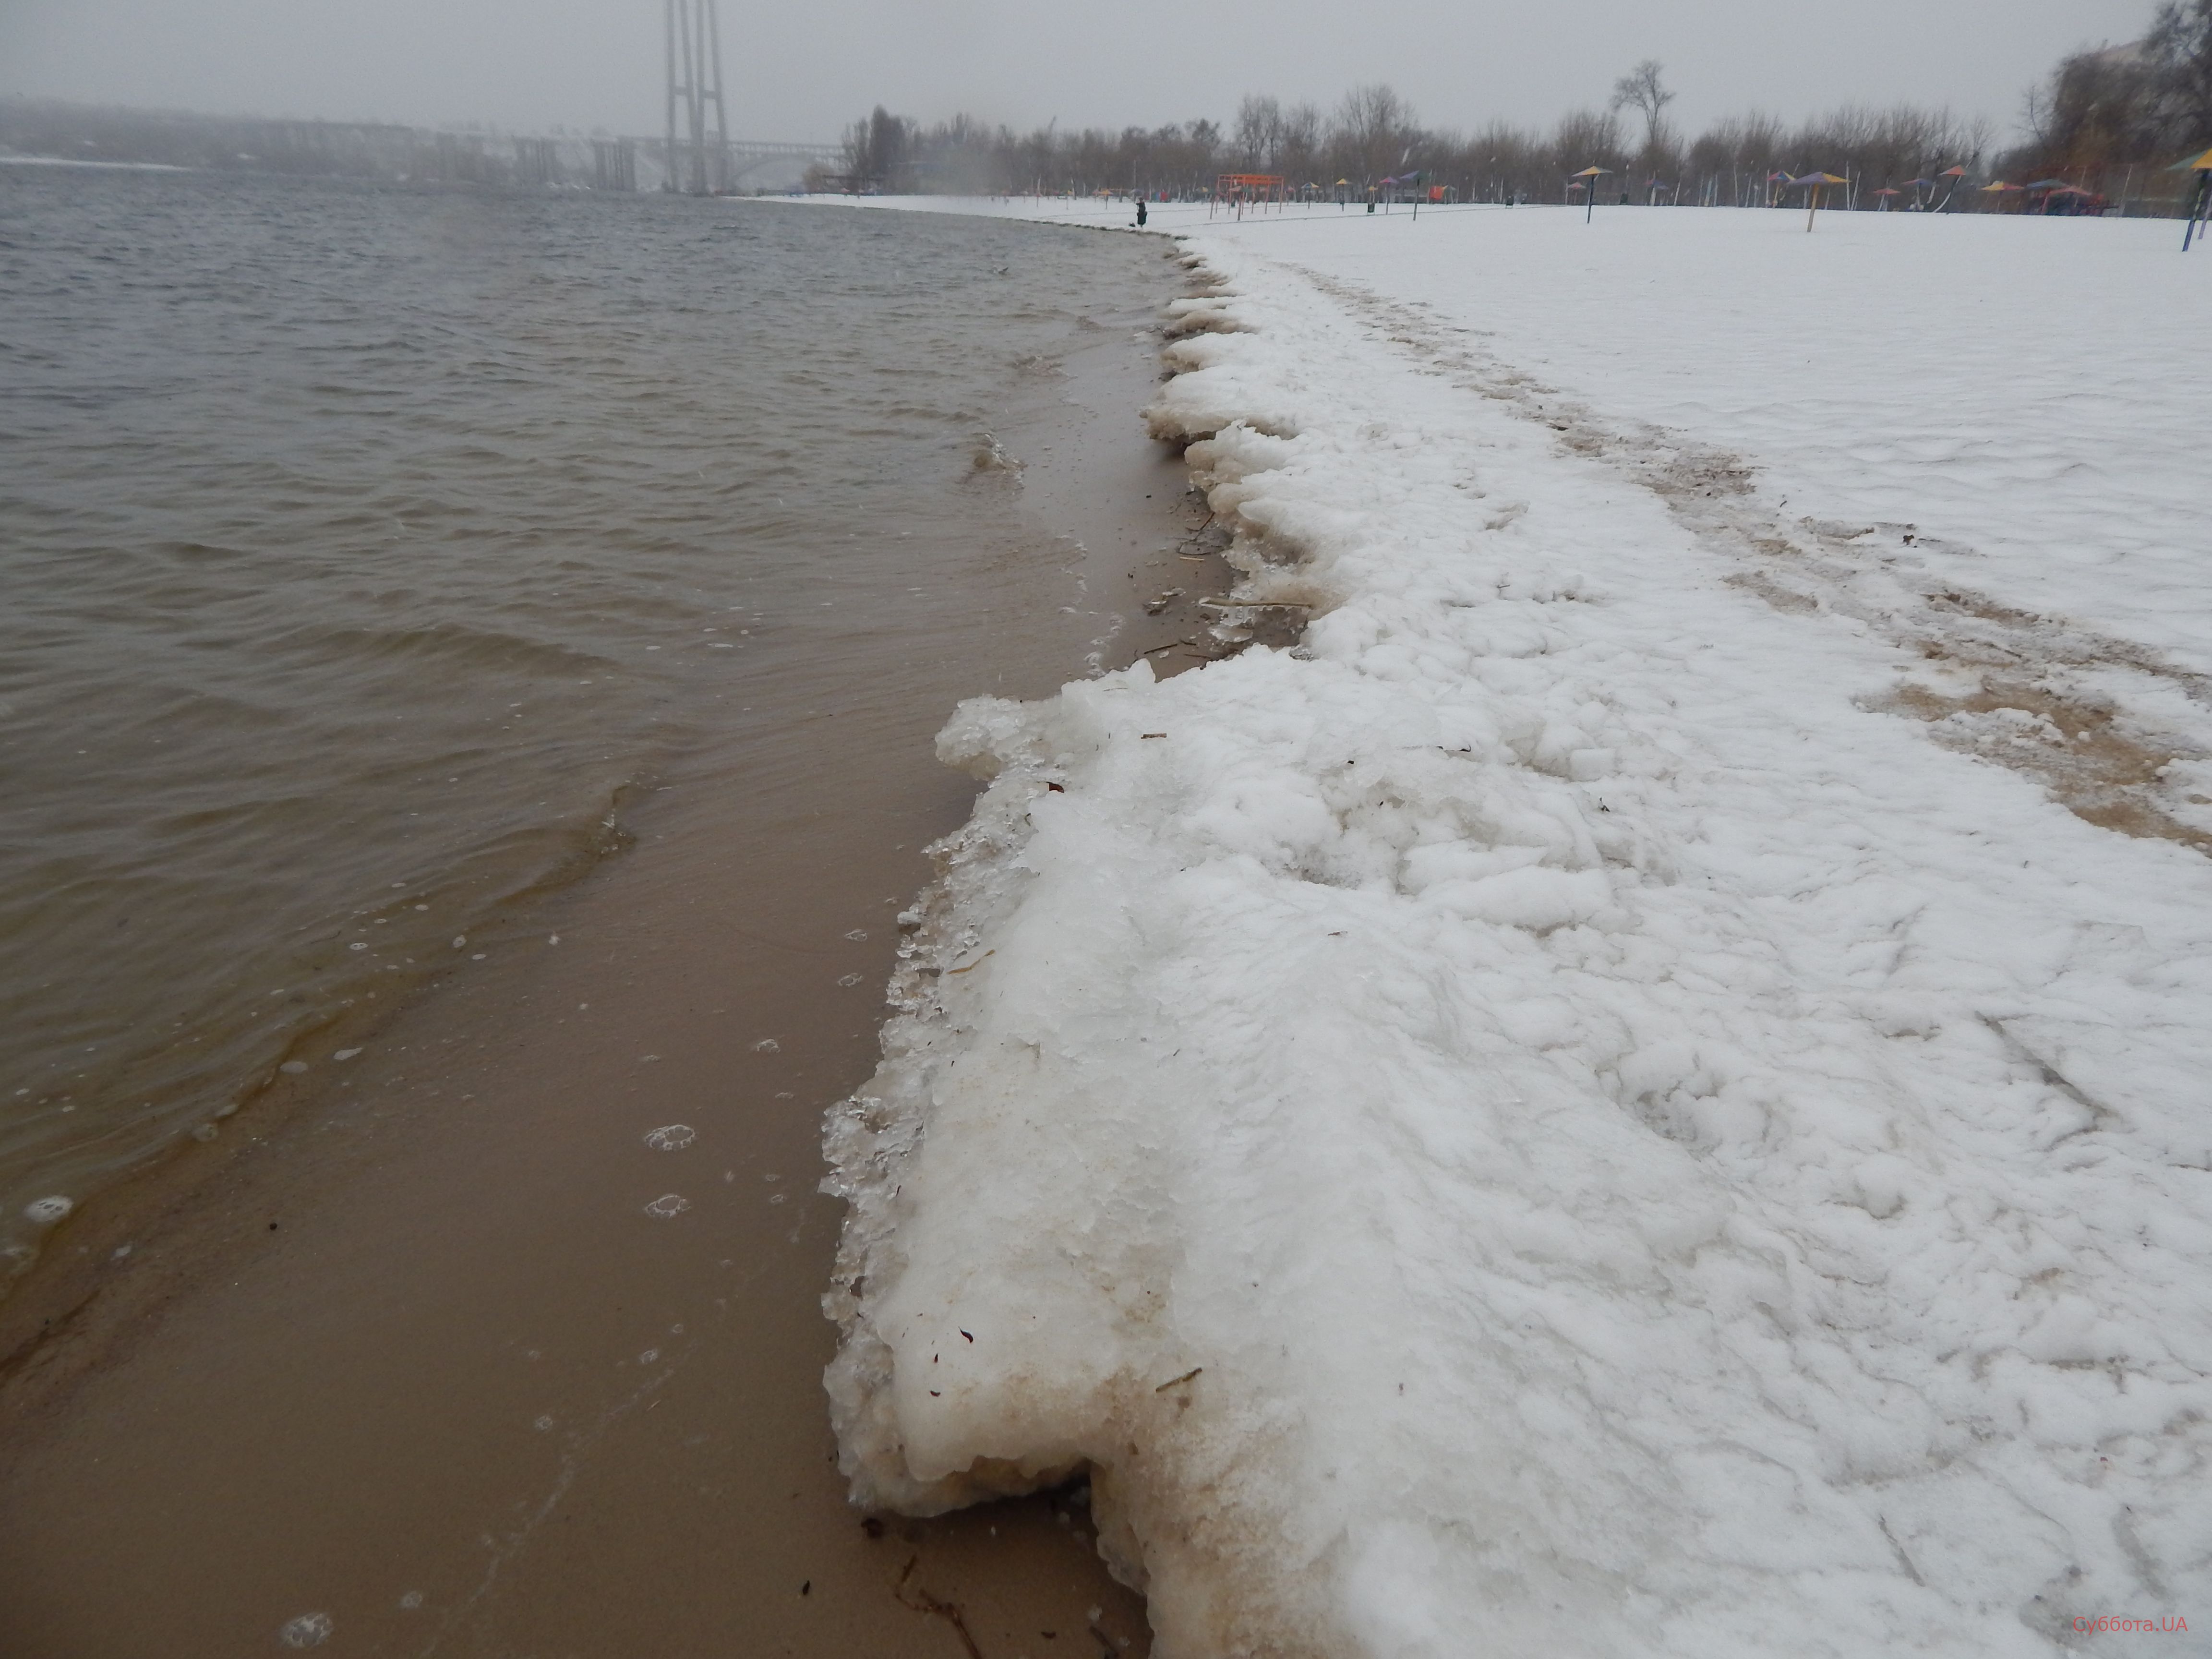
1557	1117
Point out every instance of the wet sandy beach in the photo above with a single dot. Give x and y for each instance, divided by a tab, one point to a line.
443	1349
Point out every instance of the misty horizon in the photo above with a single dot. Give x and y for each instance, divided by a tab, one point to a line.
592	65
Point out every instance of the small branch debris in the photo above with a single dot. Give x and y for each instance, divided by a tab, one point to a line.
914	1596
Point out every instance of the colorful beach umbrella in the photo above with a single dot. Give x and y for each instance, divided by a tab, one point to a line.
1815	182
2202	166
1590	176
1956	178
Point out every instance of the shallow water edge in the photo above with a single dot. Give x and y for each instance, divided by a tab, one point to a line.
460	1378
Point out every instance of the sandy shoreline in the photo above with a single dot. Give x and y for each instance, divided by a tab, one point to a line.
429	1367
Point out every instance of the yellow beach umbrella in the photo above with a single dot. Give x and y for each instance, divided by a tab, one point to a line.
1816	182
1590	176
2202	166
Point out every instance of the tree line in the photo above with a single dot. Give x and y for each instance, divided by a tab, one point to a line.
1372	134
2111	121
2144	106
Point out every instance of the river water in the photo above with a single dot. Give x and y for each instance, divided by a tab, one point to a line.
367	554
470	664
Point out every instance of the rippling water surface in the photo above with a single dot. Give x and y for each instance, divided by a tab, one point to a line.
363	549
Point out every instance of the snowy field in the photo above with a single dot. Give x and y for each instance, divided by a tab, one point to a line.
1641	1092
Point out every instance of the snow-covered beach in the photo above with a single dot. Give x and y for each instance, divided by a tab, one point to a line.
1641	1090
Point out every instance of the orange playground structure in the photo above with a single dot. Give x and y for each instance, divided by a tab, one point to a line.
1252	190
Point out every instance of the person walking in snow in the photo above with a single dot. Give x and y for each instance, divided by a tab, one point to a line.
1140	213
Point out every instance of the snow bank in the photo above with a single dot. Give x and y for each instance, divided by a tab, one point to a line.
1539	1121
2007	384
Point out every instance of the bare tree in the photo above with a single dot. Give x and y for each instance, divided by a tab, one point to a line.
1586	138
1374	131
1299	148
2180	45
878	152
1641	90
1259	132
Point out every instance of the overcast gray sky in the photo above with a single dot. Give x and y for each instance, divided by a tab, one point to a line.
802	71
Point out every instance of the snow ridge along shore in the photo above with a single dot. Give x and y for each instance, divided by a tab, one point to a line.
1539	1121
